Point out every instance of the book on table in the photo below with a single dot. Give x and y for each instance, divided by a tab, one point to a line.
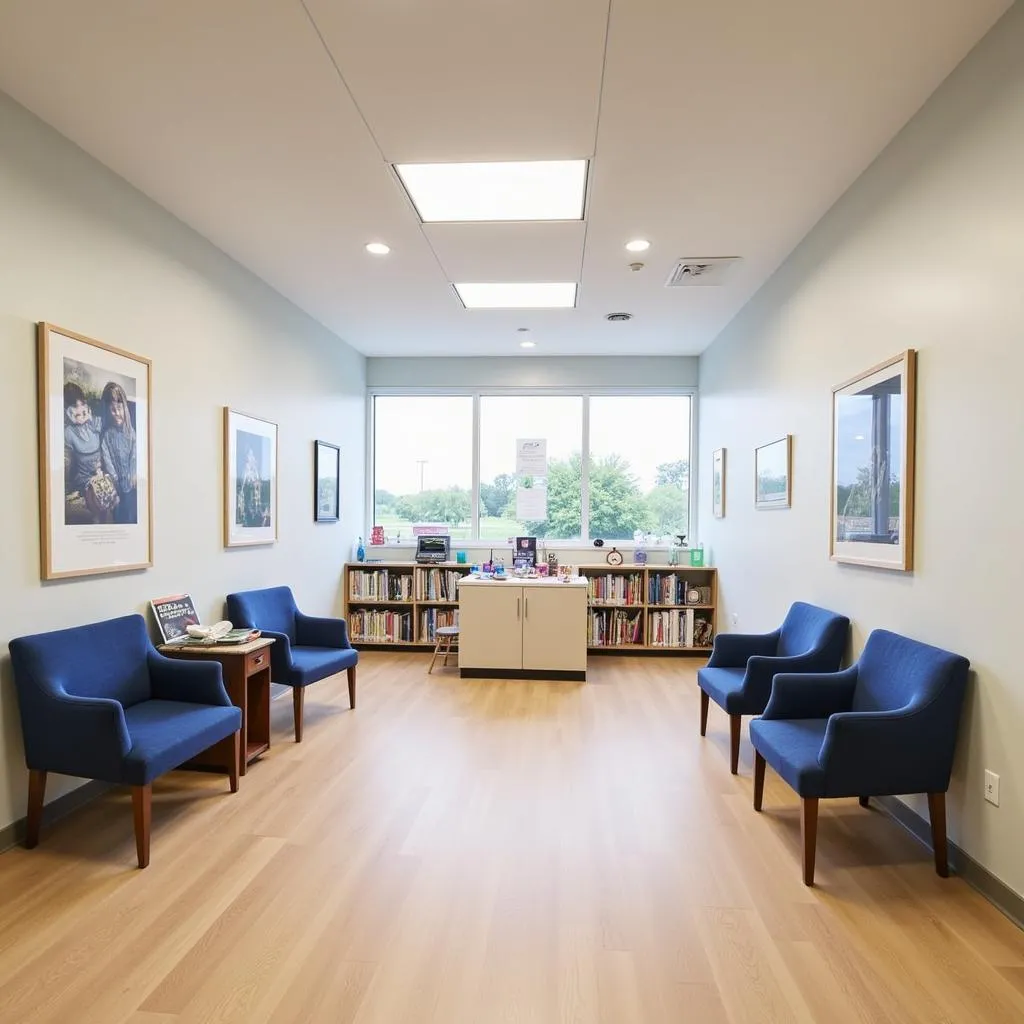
235	636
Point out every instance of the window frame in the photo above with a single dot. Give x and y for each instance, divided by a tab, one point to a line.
585	393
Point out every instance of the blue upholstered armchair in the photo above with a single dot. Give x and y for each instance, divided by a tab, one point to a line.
99	702
739	673
307	648
885	726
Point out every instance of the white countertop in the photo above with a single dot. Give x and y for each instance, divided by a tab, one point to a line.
522	581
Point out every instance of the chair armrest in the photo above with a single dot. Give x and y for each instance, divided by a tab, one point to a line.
193	682
882	752
733	650
82	736
280	655
312	631
762	670
811	694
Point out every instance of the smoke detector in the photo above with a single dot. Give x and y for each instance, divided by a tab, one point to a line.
614	317
689	273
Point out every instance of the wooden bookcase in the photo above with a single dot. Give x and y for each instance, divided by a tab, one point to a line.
652	599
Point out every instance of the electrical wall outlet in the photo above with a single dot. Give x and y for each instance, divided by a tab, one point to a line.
735	619
991	787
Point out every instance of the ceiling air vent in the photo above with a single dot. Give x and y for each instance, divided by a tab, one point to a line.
618	316
700	272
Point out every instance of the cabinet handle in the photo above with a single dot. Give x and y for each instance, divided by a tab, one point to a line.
259	660
519	601
526	607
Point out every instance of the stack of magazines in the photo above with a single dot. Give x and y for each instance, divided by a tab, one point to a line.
233	636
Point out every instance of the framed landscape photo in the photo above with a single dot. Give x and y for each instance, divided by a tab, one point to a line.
95	456
872	489
718	483
250	480
326	482
773	474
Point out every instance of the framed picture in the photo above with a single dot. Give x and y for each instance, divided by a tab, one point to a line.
773	473
872	491
718	483
250	480
95	456
326	482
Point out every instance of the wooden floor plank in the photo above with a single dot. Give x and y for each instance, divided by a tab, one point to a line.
494	852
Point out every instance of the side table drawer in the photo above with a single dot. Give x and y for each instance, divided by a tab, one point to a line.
257	661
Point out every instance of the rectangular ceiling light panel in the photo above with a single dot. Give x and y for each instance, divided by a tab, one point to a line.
518	190
518	295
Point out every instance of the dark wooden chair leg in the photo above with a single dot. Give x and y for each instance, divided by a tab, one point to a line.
36	792
865	801
298	693
142	807
236	762
351	686
758	780
937	813
705	700
809	835
735	724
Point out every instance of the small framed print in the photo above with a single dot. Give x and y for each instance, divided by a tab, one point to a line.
95	456
718	483
326	482
773	474
250	480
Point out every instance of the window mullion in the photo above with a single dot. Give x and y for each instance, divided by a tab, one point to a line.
474	497
585	472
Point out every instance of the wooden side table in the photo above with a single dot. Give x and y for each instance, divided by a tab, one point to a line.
246	670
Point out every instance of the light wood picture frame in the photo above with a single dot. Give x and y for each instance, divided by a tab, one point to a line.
718	483
871	492
326	482
250	480
95	456
773	474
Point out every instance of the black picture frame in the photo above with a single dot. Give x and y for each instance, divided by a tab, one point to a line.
326	482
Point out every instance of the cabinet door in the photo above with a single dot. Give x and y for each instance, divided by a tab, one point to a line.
491	626
555	628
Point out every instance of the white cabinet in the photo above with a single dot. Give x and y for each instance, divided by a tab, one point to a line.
525	630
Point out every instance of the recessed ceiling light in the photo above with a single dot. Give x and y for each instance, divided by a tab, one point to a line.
378	248
518	295
516	190
638	245
527	344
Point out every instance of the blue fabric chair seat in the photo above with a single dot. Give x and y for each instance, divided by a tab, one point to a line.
310	664
738	676
167	733
792	749
725	687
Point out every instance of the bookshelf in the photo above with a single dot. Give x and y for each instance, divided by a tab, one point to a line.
629	607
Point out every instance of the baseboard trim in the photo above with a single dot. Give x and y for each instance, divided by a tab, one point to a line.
14	833
998	893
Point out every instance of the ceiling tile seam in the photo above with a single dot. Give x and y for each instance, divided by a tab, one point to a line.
593	153
376	142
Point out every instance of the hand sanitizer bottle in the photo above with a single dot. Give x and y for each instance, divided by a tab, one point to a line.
360	551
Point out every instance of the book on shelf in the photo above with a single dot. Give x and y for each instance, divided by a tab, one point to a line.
372	625
431	618
380	585
438	584
616	588
680	627
614	627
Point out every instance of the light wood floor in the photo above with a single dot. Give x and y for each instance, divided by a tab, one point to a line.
487	852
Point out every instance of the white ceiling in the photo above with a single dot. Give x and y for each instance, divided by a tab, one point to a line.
722	128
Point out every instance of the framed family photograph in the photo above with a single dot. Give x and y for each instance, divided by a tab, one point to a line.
326	482
872	492
773	474
250	480
95	456
718	483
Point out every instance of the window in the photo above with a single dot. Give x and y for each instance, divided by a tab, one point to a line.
615	464
639	475
504	507
423	463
